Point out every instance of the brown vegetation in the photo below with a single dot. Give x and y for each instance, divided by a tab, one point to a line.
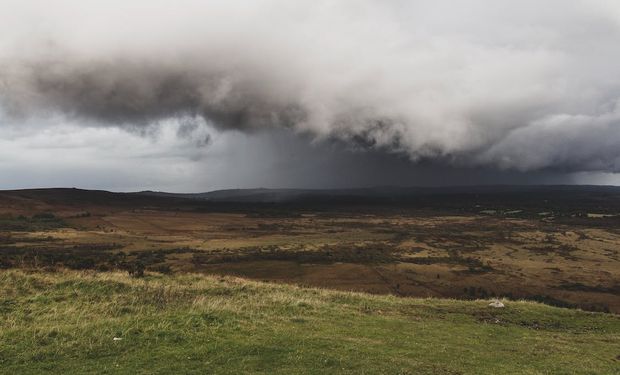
407	252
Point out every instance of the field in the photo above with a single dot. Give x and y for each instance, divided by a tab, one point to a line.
84	322
310	284
564	258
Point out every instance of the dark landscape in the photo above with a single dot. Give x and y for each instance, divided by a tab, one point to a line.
559	245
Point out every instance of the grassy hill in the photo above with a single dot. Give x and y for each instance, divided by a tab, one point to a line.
65	322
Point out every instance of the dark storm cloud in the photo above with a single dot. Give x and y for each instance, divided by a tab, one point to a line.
512	85
129	93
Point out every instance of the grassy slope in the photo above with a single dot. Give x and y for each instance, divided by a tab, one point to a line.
189	324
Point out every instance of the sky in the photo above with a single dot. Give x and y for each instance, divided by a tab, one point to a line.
191	96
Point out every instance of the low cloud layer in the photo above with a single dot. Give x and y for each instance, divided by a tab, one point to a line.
522	86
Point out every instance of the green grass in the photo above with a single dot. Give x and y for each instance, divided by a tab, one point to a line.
65	322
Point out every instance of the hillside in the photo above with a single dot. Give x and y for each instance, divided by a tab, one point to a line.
195	324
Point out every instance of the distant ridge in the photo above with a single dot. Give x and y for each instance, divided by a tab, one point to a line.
385	193
563	200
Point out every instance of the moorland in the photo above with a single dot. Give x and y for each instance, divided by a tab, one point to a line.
557	245
385	280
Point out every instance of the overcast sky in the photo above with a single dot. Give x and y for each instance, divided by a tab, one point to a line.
195	95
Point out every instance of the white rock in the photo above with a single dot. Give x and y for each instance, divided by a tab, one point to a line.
496	303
